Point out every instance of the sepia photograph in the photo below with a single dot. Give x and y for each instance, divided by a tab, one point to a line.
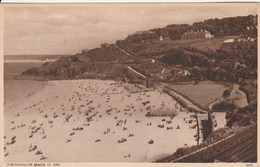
130	82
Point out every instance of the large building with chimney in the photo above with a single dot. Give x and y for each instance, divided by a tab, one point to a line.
196	34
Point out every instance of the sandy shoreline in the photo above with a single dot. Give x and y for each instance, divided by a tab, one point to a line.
94	121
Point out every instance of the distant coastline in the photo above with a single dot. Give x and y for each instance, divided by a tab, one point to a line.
32	58
29	61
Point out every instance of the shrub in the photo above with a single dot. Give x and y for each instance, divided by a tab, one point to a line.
227	105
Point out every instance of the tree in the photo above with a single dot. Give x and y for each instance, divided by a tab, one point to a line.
226	93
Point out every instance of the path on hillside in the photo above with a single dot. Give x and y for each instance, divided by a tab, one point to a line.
123	50
219	99
234	89
138	73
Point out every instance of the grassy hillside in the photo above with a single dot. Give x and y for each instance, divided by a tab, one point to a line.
154	48
202	57
108	54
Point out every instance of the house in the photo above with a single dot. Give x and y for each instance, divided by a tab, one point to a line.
183	73
143	32
196	34
84	51
211	61
228	44
239	43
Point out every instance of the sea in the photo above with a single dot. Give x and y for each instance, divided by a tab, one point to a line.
16	90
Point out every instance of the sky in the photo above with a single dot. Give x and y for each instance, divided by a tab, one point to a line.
67	29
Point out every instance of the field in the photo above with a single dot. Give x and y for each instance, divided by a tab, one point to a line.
203	93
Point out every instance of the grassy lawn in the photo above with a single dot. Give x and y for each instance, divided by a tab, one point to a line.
204	93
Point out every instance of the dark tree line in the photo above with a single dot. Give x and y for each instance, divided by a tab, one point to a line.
231	26
240	25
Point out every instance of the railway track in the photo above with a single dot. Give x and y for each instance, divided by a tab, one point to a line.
239	147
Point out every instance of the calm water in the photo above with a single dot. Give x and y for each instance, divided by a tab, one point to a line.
11	69
16	90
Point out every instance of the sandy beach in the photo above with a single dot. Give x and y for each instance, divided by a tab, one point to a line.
94	121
